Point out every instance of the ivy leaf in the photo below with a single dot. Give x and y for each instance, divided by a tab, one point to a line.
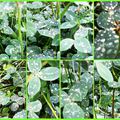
34	86
72	110
104	72
66	44
49	73
34	65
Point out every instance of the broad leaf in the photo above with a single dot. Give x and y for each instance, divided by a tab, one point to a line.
72	110
34	86
104	72
66	44
49	73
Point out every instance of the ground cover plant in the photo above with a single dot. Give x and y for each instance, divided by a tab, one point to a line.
12	89
76	30
107	30
12	30
76	89
107	89
43	30
43	89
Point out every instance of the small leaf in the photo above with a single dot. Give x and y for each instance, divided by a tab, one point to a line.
82	45
66	44
81	33
49	73
34	65
68	25
4	57
104	72
34	106
114	84
34	86
14	107
72	110
109	5
65	99
32	115
21	114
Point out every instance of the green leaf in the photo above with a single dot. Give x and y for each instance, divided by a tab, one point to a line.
31	28
65	99
34	106
49	73
109	5
4	100
32	115
66	44
21	114
49	33
106	44
81	33
8	30
34	86
68	25
34	65
4	57
82	45
114	84
104	72
72	110
105	20
11	50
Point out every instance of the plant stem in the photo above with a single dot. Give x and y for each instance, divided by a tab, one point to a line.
65	9
19	27
113	102
49	104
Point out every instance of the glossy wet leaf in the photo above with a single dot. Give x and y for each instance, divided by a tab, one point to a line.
109	5
4	57
106	44
65	99
82	45
4	100
21	114
66	44
72	110
105	20
34	65
49	73
114	84
81	33
34	86
32	115
104	72
34	106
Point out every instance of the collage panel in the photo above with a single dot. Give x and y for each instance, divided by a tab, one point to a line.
12	89
107	89
43	30
107	30
43	89
12	30
76	30
76	89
